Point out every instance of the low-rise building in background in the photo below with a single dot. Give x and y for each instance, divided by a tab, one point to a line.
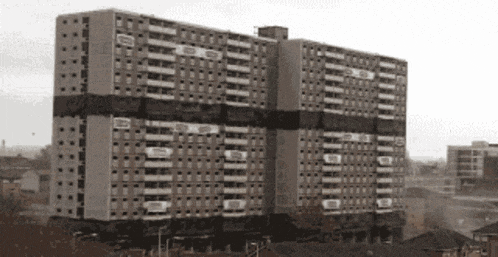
475	166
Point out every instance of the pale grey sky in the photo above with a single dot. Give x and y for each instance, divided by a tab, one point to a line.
451	48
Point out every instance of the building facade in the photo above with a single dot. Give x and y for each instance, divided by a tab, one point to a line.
158	120
346	148
475	166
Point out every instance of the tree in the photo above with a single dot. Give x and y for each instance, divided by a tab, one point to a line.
42	160
20	236
10	208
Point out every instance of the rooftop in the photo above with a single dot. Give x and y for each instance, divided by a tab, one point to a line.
289	249
440	239
487	230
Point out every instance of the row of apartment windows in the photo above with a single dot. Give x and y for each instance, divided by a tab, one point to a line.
76	20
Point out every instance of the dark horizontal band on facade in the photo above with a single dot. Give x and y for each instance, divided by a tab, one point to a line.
152	109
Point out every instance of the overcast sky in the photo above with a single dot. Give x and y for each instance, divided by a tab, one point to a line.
451	48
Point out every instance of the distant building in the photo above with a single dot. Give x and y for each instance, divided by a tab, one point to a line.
475	166
36	185
11	188
37	181
14	163
488	237
445	243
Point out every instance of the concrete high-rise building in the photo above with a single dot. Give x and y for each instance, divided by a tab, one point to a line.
159	120
475	166
344	145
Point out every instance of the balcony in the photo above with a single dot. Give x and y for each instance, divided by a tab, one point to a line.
385	170
385	149
327	110
235	178
162	43
332	146
331	191
235	190
158	178
383	211
235	155
387	86
156	217
387	65
387	96
333	134
160	96
334	55
237	104
384	180
334	78
385	138
333	100
331	204
238	68
158	152
233	214
334	66
241	81
331	180
386	117
332	213
165	57
238	43
332	158
169	31
334	89
239	56
385	107
384	203
235	166
159	83
161	70
152	164
157	191
165	124
237	92
234	204
235	141
155	137
331	168
387	75
384	190
243	130
157	206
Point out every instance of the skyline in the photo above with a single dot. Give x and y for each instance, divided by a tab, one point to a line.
445	92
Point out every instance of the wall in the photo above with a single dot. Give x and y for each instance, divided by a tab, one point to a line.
98	170
30	181
415	212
